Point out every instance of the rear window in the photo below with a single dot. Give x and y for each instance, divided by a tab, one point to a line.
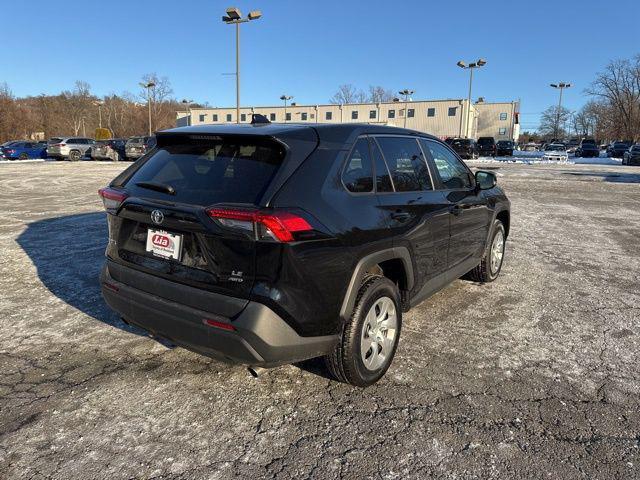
461	143
486	141
54	140
136	140
205	172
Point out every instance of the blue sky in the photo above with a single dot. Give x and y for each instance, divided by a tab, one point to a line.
308	48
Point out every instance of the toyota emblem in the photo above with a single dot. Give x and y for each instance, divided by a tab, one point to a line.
157	216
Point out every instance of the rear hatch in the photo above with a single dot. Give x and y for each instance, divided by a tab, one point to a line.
193	211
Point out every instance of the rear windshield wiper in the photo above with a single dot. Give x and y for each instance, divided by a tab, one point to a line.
159	187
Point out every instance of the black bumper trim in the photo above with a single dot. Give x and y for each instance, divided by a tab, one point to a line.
262	338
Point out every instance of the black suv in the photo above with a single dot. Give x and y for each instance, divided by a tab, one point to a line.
504	148
487	146
270	244
464	147
587	149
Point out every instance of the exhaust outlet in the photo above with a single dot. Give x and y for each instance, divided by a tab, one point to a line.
255	372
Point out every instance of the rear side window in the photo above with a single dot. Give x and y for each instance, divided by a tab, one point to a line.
406	163
209	171
358	173
452	172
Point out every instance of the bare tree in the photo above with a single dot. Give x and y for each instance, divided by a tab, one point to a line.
347	93
619	87
78	103
552	117
378	94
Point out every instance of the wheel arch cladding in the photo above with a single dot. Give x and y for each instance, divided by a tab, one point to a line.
389	260
505	218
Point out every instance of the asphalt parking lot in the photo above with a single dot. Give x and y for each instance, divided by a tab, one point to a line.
534	376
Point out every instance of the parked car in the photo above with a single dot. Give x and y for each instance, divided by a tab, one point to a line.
138	146
587	148
573	145
504	148
555	152
70	148
23	150
464	147
530	147
266	246
113	149
487	146
632	156
617	149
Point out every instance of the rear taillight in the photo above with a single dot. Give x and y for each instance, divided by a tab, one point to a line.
112	198
58	145
10	151
280	226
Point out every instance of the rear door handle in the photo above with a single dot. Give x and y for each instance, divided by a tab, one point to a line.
400	216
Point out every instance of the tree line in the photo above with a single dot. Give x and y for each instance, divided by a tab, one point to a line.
612	111
78	112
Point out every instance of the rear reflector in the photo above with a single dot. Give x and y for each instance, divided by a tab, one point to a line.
220	325
112	198
280	225
110	286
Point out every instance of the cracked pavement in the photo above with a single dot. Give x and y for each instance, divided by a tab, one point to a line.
533	376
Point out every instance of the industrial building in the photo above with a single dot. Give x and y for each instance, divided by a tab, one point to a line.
441	118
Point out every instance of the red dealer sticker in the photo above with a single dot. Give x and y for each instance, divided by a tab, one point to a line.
164	244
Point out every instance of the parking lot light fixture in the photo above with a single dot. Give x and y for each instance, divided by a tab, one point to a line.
471	67
234	17
406	92
560	86
148	86
187	104
99	104
285	99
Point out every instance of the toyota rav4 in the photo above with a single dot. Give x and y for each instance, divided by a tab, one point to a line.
269	244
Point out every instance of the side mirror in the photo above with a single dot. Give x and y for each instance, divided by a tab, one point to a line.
486	180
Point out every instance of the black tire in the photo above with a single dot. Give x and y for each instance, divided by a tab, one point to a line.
483	272
345	362
75	155
23	156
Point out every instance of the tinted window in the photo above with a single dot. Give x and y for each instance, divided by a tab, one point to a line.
411	112
54	140
215	117
431	112
272	117
202	117
406	164
288	116
372	114
486	141
451	170
228	117
358	173
328	115
354	115
452	111
210	171
392	114
243	117
383	180
303	116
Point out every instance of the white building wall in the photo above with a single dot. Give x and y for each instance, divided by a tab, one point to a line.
441	118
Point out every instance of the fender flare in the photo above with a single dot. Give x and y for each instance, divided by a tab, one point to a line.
401	253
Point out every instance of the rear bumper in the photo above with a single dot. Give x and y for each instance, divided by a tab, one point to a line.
260	337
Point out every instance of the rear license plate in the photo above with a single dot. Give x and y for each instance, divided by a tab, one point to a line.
164	244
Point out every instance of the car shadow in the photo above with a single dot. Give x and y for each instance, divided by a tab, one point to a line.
613	177
68	253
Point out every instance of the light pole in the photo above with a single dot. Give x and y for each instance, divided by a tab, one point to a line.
99	104
406	92
148	86
188	104
560	86
234	17
285	99
471	67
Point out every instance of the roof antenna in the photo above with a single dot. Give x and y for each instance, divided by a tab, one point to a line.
256	118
